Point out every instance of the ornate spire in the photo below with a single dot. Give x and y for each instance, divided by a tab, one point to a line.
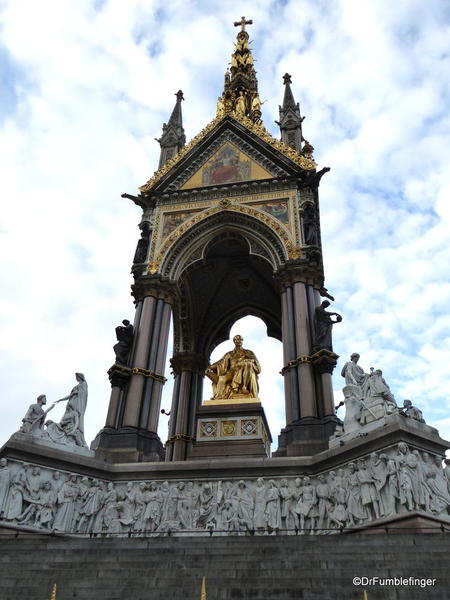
173	138
240	94
290	122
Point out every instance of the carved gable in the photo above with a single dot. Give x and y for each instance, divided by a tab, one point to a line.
228	150
227	165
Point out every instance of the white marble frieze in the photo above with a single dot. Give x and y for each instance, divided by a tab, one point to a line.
383	484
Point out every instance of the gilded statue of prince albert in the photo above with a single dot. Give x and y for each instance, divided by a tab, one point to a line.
235	375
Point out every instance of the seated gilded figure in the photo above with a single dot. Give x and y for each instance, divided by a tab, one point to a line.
235	375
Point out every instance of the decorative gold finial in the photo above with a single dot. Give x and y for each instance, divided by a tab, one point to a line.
53	596
243	23
203	594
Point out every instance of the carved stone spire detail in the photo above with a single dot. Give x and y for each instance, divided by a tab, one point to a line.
240	94
173	138
290	122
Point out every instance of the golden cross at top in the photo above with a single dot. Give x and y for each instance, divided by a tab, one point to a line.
243	23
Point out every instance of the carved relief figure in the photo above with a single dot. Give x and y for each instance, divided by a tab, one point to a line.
259	516
18	491
245	505
45	502
207	512
369	496
438	485
382	485
65	514
273	512
5	478
236	373
152	515
306	506
323	504
287	509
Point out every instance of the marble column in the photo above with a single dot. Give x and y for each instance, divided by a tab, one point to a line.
188	368
114	404
161	353
179	444
328	396
137	380
289	354
307	395
119	381
173	416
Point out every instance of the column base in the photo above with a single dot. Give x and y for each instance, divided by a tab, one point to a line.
127	444
306	437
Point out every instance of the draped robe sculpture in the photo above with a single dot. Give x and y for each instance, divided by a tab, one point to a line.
235	375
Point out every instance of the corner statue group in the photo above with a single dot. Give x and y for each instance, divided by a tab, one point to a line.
235	375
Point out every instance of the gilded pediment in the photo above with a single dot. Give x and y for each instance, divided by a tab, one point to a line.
228	165
228	150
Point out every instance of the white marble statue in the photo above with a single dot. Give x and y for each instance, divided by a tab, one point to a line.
5	478
70	429
367	396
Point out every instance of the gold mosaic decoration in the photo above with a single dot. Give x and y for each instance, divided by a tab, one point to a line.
228	428
292	249
258	129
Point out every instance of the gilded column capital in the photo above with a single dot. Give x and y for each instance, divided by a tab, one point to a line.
157	286
304	270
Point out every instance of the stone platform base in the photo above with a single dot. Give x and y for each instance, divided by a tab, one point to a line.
393	471
127	445
339	438
225	430
235	568
307	436
410	522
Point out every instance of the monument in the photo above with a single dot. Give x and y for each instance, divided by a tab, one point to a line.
230	227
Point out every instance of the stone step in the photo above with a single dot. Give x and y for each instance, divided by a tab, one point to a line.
238	568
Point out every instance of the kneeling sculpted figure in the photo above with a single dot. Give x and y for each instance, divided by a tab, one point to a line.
235	375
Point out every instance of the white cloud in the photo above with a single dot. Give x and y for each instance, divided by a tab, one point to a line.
90	88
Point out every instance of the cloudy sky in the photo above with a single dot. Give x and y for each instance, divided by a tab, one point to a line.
86	86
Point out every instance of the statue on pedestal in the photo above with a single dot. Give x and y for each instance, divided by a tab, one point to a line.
411	412
124	334
323	326
70	430
235	375
367	395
